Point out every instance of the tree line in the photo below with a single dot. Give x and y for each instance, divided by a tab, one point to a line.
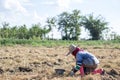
68	23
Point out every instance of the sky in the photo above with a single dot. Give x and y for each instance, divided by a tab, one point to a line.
19	12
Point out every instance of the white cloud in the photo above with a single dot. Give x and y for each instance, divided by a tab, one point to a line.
12	19
14	11
63	3
36	16
48	3
77	1
26	11
26	2
39	18
14	5
66	4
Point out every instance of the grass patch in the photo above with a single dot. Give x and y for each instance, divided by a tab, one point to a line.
53	43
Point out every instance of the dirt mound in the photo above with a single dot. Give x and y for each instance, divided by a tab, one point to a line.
113	74
25	69
1	71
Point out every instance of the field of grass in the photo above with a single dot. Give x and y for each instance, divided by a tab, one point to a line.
55	43
37	59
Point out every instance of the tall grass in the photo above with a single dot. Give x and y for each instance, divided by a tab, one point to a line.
53	43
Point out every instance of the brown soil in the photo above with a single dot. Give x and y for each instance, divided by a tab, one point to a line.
39	63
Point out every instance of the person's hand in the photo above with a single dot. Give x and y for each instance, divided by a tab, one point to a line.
72	73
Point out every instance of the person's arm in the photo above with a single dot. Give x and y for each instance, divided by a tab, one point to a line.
78	64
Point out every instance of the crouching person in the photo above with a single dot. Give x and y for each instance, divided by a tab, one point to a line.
86	62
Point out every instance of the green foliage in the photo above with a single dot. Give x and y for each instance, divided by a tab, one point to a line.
22	32
5	31
50	25
69	25
57	43
94	25
35	31
116	37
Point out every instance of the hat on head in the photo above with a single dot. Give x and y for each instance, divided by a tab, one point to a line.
72	47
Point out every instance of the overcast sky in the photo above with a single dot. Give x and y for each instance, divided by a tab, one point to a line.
19	12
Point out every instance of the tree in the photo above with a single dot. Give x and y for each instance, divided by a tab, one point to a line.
22	32
75	23
35	31
49	26
14	32
94	25
69	25
5	30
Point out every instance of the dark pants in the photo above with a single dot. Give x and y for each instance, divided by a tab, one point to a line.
89	68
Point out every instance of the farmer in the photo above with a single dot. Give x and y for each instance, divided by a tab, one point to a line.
86	62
